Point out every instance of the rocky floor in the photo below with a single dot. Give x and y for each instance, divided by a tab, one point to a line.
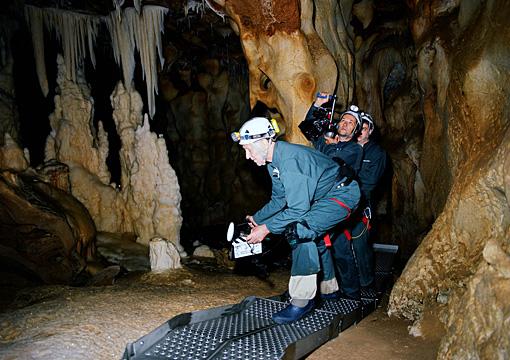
61	322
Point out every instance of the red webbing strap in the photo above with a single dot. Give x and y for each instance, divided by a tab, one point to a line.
366	222
346	232
327	240
342	205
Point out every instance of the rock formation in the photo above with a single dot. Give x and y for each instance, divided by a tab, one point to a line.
163	255
147	202
45	233
463	73
11	156
287	60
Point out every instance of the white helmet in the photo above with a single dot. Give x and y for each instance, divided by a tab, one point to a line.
366	118
253	130
354	112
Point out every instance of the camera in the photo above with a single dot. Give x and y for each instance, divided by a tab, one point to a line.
239	247
321	125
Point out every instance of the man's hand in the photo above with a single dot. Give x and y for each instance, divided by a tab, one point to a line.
333	140
251	222
257	234
321	99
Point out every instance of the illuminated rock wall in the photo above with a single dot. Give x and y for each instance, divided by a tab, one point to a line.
463	71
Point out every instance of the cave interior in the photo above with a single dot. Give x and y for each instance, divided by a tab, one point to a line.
115	123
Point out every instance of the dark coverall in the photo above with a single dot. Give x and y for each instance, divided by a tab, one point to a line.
372	169
305	189
351	153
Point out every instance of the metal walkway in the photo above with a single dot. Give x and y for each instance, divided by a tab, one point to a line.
246	331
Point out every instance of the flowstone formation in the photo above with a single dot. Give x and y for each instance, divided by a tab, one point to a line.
287	60
147	202
463	70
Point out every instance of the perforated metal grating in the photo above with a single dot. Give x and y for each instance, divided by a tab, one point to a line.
368	294
269	344
340	306
246	331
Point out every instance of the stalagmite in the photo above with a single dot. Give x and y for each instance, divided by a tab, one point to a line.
148	203
163	255
12	156
154	199
149	184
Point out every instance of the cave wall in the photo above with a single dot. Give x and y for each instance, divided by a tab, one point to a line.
464	72
9	121
205	97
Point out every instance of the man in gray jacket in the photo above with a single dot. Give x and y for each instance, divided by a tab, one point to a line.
308	198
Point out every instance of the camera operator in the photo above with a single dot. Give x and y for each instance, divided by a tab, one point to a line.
371	172
308	198
337	137
337	140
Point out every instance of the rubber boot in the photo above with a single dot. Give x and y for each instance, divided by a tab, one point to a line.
293	313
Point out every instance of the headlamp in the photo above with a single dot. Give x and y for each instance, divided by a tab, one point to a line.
354	108
236	137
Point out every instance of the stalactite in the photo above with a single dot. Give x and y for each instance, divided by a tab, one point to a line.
132	29
34	19
123	46
141	32
76	32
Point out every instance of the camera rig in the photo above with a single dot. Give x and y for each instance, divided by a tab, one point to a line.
240	248
321	123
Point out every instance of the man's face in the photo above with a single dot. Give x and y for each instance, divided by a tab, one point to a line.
257	151
365	133
346	126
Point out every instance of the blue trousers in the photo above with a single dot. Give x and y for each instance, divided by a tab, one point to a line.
364	253
346	265
323	216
